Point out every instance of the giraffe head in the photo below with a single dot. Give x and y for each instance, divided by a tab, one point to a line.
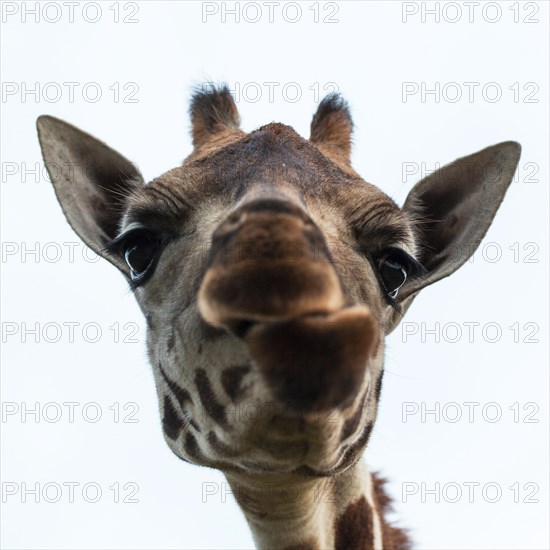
269	273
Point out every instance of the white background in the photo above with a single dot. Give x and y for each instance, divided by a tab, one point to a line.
368	53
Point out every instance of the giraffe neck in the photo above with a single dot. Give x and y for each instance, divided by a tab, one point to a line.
292	511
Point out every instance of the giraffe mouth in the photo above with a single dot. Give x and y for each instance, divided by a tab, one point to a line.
241	328
315	362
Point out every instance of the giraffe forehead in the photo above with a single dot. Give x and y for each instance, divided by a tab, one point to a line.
312	180
270	156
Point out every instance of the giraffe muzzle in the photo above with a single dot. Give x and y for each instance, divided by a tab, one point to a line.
268	262
271	282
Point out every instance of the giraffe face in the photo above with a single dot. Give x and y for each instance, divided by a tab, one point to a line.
265	302
269	273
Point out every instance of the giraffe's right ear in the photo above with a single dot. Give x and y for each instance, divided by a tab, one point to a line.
213	115
91	182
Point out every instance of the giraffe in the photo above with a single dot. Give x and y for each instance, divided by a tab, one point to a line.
269	273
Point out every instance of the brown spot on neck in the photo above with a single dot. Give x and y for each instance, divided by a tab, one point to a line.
354	528
394	538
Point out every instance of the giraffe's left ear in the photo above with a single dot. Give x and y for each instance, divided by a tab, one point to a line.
91	182
453	208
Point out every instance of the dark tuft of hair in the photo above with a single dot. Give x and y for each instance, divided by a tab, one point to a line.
332	103
332	124
212	109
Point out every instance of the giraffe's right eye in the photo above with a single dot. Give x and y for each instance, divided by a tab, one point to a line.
140	255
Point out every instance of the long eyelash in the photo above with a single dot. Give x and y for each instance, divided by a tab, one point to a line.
163	239
115	246
414	270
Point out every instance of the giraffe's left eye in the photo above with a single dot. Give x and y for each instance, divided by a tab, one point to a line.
394	267
393	274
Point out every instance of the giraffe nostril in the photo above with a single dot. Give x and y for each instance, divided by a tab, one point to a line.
268	265
308	223
240	328
231	224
